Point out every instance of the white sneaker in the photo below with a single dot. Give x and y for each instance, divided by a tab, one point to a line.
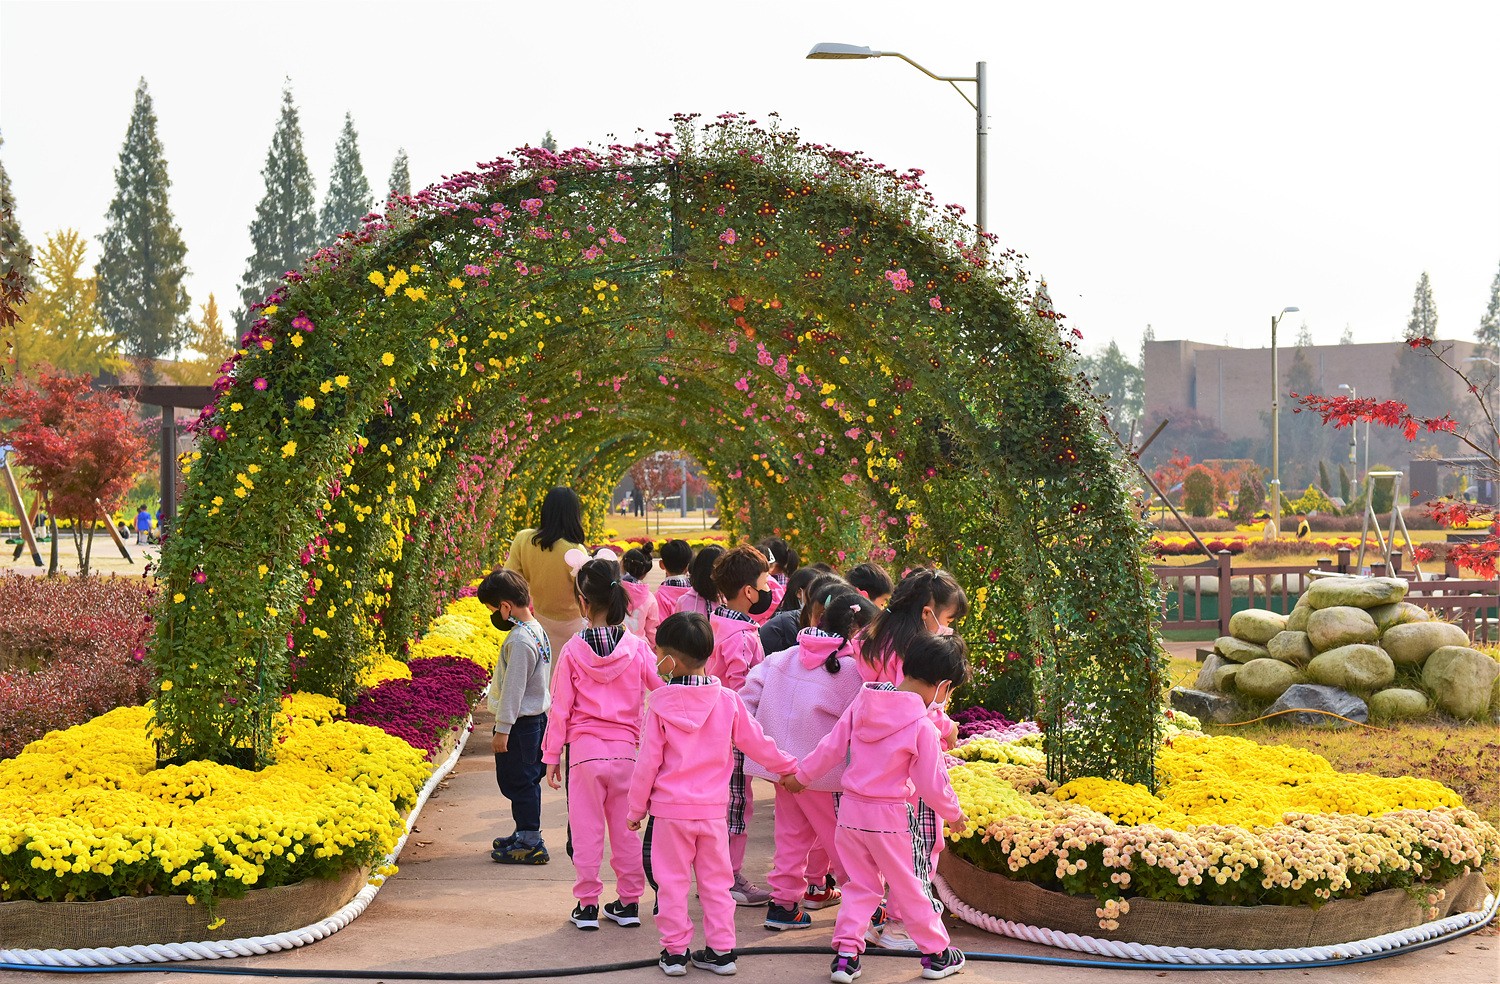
894	936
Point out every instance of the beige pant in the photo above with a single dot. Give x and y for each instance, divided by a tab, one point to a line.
559	631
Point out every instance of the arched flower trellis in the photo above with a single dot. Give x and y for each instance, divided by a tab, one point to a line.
850	369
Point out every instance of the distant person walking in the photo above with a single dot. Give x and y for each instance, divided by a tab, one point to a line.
538	554
142	525
638	501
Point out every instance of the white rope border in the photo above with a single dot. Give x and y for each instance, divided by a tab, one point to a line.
1195	955
252	946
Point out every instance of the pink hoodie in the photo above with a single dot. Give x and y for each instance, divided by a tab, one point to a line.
597	699
798	702
683	769
893	752
669	596
891	672
737	650
644	615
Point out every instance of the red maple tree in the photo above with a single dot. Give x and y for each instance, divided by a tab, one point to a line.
81	446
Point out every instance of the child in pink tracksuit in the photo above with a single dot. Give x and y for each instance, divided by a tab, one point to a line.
644	614
600	683
925	603
798	696
676	557
892	749
682	780
702	596
742	578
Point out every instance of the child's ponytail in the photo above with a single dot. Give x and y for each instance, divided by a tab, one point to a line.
637	561
894	630
598	584
701	573
846	612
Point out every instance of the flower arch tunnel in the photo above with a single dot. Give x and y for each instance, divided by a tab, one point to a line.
851	372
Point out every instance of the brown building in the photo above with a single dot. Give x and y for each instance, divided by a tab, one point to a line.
1232	386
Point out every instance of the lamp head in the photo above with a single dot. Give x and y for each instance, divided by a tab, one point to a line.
1289	310
1346	386
832	50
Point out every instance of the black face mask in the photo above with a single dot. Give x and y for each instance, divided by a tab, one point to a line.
500	622
762	604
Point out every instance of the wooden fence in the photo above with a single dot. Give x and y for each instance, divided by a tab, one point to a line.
1204	596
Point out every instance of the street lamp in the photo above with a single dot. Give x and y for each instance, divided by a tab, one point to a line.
1276	426
1354	438
831	51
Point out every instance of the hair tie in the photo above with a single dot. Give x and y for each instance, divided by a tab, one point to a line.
613	583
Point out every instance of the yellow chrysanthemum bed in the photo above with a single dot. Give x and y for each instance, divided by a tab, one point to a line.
1232	823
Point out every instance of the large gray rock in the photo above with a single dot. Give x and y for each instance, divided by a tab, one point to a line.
1256	625
1206	673
1203	706
1461	679
1401	613
1355	592
1341	625
1238	650
1317	698
1413	642
1359	668
1292	647
1224	678
1297	620
1399	704
1267	679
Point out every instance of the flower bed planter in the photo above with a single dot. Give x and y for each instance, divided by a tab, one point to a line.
1207	926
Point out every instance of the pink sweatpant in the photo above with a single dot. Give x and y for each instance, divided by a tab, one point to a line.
805	822
876	861
596	803
679	850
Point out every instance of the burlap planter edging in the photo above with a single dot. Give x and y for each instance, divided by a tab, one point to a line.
1178	924
169	919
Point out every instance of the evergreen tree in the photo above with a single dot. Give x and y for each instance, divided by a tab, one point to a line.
1323	482
1424	318
400	183
1304	439
1147	337
1120	383
549	142
1347	338
59	325
15	251
1489	325
1417	378
142	295
1345	485
349	197
285	228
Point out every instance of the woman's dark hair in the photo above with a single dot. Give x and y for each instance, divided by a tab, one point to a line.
637	561
819	591
871	579
778	551
562	518
598	584
504	585
688	634
846	612
934	659
676	555
701	573
795	584
896	629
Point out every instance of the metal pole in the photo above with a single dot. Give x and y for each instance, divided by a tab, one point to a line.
684	488
1275	435
981	154
168	465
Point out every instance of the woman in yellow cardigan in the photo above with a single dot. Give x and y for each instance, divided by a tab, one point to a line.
538	554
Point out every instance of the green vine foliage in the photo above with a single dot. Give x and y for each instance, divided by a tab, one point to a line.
854	371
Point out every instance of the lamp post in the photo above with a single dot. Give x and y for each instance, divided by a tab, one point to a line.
1354	439
1276	425
833	51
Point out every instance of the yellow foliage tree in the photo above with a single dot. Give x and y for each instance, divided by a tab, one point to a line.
59	324
213	343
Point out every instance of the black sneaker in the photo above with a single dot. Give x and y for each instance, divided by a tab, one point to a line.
518	853
780	918
845	968
710	959
585	916
936	966
624	915
673	964
502	843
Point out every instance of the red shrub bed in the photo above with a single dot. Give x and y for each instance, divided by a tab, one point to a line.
78	645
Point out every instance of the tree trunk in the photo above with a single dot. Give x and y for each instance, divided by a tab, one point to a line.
52	531
86	550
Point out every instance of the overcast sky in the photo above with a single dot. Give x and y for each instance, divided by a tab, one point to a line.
1196	166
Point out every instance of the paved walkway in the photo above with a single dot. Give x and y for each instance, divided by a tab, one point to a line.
451	909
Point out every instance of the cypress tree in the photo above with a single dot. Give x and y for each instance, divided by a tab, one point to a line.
349	197
15	251
1489	325
143	299
1345	485
1419	379
400	183
1323	482
549	143
285	229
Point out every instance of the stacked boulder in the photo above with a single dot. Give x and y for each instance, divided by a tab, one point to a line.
1354	648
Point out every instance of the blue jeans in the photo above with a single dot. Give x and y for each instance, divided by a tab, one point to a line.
519	771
